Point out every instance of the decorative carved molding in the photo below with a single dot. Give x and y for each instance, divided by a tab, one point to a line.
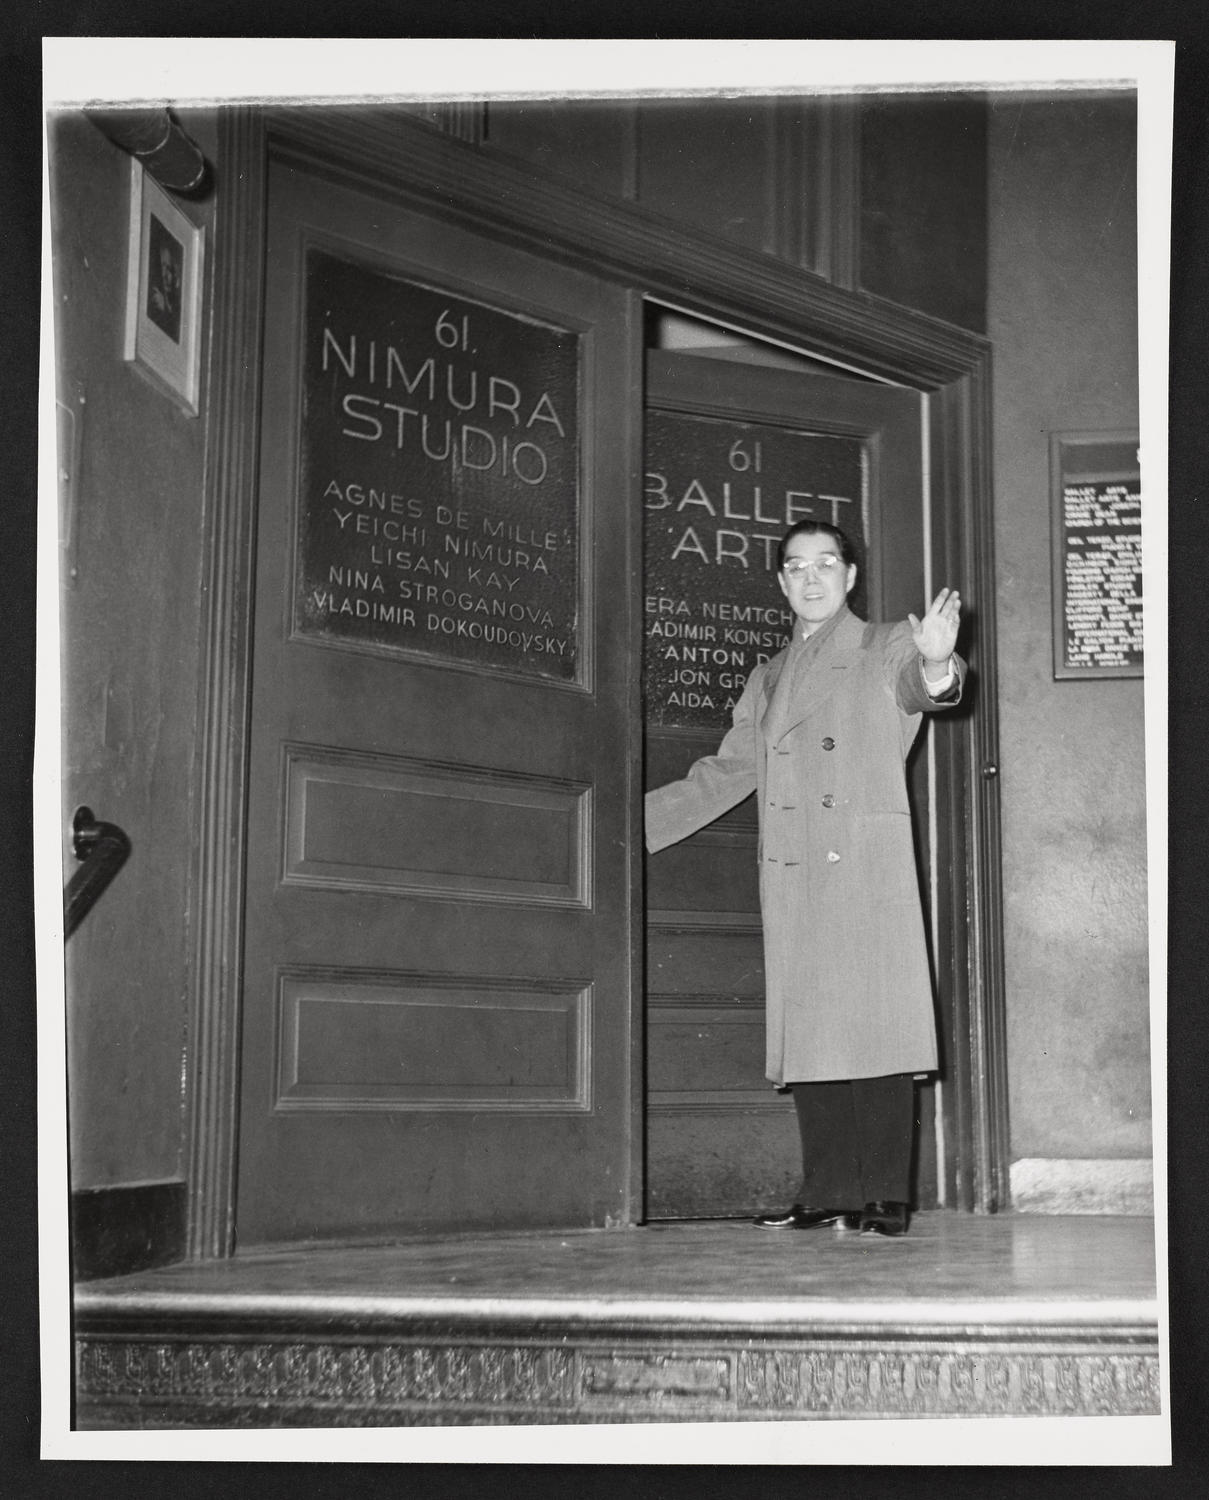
281	1382
948	1382
344	1374
658	1379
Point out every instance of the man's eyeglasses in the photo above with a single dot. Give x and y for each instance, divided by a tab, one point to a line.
797	567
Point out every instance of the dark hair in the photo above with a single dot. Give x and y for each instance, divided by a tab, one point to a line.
813	528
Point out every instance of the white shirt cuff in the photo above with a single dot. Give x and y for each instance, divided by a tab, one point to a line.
936	689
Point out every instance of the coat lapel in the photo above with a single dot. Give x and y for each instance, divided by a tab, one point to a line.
821	677
768	687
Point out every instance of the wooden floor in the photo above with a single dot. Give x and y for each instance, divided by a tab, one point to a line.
1004	1315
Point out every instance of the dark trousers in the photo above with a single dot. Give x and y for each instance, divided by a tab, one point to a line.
857	1136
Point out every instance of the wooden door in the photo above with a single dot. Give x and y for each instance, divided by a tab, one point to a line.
734	454
437	993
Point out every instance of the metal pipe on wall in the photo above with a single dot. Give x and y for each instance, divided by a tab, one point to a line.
156	138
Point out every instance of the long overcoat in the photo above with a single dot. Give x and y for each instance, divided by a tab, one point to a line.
848	987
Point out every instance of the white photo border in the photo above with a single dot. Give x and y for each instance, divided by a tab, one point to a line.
209	71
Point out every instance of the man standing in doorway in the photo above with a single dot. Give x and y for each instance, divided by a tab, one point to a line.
821	734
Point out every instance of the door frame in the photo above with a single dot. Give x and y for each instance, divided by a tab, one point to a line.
413	164
855	409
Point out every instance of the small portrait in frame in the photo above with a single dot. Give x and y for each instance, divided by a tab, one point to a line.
164	291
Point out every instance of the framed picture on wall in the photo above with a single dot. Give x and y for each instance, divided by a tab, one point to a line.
164	291
1096	509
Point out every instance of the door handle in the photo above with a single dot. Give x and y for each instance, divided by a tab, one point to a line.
103	847
990	771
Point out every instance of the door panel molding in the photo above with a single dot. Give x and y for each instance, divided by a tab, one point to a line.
707	919
711	1002
734	1102
693	271
393	802
484	1022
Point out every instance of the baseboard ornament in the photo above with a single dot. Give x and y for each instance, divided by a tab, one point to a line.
132	1227
1052	1185
405	1382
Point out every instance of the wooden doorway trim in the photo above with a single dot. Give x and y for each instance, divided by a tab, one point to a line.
708	277
224	707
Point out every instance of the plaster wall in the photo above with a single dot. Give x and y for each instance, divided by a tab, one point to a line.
1062	304
130	608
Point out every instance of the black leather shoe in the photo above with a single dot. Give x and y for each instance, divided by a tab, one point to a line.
884	1218
799	1217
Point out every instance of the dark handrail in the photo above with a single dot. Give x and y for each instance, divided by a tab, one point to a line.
103	847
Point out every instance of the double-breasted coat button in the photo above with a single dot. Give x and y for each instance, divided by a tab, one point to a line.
828	743
832	857
828	800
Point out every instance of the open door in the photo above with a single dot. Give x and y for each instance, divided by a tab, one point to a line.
735	453
437	966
